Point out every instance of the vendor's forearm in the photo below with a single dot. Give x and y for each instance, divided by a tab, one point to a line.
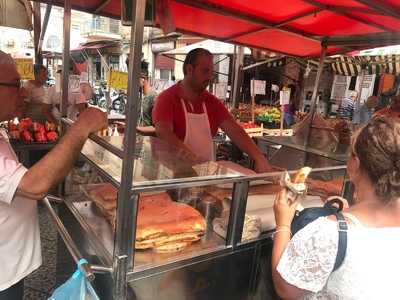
52	168
241	139
166	134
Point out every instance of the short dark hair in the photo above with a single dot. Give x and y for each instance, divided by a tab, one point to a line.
37	68
192	56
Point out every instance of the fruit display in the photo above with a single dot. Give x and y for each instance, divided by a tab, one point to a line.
270	115
243	112
252	129
248	125
28	131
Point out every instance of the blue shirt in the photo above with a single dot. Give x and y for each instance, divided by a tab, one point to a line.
362	114
346	109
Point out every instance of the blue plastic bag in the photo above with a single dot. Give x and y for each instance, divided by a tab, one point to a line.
75	288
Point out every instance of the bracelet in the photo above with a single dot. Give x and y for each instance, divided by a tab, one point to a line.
277	227
281	230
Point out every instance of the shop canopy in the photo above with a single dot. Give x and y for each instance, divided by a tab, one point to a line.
371	64
215	47
292	27
96	45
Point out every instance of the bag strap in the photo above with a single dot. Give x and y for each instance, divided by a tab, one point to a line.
342	242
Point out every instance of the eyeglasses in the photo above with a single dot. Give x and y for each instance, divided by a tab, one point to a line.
16	84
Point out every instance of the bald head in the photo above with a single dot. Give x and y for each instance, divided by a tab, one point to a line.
11	95
8	67
6	59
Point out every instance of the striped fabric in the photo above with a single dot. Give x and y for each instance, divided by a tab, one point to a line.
346	109
380	64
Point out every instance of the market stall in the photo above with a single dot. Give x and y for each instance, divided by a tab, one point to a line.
30	139
232	205
217	263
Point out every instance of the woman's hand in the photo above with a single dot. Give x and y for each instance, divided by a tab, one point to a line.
284	209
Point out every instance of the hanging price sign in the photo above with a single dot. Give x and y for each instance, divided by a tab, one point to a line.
118	80
25	68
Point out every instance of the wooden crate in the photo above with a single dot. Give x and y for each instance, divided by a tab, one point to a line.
277	132
253	132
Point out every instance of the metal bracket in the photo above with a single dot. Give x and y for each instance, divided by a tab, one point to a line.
71	246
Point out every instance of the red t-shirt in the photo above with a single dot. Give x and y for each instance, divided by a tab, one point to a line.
168	108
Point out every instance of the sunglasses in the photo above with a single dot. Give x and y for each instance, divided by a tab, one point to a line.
16	84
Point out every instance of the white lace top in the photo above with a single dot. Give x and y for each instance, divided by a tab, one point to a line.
370	269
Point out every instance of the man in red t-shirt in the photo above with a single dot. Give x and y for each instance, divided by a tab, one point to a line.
187	116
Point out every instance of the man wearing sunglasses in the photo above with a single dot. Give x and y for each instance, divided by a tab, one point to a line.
20	188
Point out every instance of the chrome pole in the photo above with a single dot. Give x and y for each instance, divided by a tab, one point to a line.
235	87
71	246
314	98
128	203
237	213
66	55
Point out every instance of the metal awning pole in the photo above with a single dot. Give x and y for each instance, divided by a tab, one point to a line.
314	99
252	66
69	243
235	88
359	90
127	207
44	27
232	76
37	27
66	56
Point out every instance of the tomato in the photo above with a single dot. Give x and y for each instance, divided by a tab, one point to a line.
40	136
26	136
52	136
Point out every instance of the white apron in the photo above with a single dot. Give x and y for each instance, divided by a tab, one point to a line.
198	136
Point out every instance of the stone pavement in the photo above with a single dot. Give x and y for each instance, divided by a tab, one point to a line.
40	284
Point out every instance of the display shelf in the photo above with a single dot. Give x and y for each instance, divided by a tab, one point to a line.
99	237
156	164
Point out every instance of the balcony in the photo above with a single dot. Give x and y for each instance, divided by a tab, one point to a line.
101	28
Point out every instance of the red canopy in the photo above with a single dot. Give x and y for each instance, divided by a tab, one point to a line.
293	27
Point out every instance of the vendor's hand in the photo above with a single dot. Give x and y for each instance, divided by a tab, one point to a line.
262	166
284	209
91	120
189	156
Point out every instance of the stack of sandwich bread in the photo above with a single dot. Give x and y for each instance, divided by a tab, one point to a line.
162	225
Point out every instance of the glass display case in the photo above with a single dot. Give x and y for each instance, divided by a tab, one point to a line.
183	216
333	151
321	150
156	163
